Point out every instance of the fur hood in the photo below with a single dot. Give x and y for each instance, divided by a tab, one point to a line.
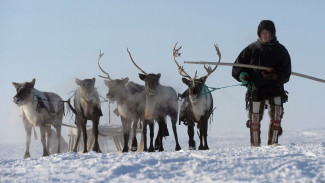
268	25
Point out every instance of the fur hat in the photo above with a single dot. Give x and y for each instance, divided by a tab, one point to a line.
266	24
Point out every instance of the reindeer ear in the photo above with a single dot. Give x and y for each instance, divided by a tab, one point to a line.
93	80
203	79
158	75
107	82
125	80
78	81
16	85
186	81
33	81
142	77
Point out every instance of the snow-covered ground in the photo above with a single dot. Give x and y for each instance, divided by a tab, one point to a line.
299	158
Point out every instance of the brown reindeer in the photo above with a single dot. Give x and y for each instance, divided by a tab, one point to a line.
198	102
160	102
41	109
87	107
130	98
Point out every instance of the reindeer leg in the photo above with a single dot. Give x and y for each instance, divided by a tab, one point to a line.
144	134
190	132
158	137
162	128
75	149
58	137
48	138
201	135
126	133
205	135
157	141
43	140
151	126
95	134
84	134
134	145
28	129
174	121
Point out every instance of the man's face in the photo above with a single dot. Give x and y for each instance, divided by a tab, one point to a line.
265	36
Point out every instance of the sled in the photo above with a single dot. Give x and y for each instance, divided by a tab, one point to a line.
108	134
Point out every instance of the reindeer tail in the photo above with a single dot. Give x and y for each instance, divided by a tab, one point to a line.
70	106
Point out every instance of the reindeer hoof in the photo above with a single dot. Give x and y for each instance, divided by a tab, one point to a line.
156	147
201	147
125	150
191	145
27	155
161	149
151	149
46	153
97	149
134	144
177	148
133	149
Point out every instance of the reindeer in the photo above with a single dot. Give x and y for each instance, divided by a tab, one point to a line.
198	104
160	102
130	99
86	107
41	109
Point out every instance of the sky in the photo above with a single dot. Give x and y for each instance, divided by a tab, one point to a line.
58	41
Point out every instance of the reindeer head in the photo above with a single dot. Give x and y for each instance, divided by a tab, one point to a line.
87	87
196	87
151	83
151	80
24	92
116	87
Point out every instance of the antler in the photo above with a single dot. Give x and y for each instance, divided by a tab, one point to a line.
209	69
135	63
194	76
180	68
99	57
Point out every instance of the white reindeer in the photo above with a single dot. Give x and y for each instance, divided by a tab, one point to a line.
41	109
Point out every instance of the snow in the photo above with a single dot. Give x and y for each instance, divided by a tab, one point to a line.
299	158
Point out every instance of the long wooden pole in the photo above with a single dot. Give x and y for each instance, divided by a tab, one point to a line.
253	67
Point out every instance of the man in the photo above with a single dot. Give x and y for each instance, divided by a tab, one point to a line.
264	88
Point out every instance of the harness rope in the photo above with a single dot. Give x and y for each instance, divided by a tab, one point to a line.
207	89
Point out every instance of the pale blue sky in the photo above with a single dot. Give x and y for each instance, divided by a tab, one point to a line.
57	41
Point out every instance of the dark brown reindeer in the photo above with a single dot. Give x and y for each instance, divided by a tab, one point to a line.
198	102
41	109
87	107
130	98
160	102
